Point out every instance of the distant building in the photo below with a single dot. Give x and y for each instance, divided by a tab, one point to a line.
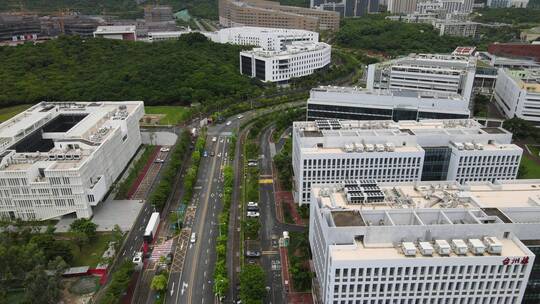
326	152
505	62
158	13
532	34
456	28
348	8
383	104
507	3
517	94
116	32
161	36
425	72
294	60
402	6
271	14
520	50
16	27
61	158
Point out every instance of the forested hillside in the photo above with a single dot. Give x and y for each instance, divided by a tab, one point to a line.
191	69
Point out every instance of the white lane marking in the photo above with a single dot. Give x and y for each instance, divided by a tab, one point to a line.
172	288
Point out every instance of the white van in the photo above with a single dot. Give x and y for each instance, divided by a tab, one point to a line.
193	237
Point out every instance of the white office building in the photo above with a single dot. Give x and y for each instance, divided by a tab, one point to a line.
171	35
355	103
295	60
269	39
406	151
436	242
61	158
425	72
116	32
517	93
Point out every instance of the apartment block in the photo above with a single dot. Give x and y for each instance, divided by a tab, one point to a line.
517	93
264	13
331	151
425	72
61	158
425	242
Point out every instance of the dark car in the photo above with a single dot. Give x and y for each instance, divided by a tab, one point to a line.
253	253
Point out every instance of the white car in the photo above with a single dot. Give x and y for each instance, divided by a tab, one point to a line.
253	204
193	238
229	123
252	214
214	139
164	149
159	160
240	116
219	155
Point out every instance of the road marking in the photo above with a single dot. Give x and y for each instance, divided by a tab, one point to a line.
266	181
172	288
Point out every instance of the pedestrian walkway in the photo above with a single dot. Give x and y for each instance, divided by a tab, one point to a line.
161	250
132	192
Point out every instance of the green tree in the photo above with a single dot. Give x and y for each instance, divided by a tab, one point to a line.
43	286
85	226
80	238
159	282
252	284
521	129
52	248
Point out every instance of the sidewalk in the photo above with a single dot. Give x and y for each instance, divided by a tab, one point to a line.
142	174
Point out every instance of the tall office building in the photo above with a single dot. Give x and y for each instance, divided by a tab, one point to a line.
517	94
425	72
428	242
402	6
265	13
61	158
348	8
407	151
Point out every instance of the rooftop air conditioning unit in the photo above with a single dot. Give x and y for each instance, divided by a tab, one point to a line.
390	147
479	146
459	247
494	246
348	148
425	248
370	148
477	247
408	248
469	146
379	147
442	247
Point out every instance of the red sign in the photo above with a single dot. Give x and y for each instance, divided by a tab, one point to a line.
516	260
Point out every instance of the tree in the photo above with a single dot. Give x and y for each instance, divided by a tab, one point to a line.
252	284
159	283
520	128
52	248
522	171
85	226
43	286
81	239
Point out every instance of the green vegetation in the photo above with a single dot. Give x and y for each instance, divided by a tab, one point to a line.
301	3
199	8
159	282
8	112
91	252
283	163
528	168
522	129
189	70
161	193
173	114
298	251
508	15
481	103
119	283
125	185
220	273
252	281
191	175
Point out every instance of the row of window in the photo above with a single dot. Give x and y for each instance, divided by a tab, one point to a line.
439	300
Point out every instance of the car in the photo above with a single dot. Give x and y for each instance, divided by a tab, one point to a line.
212	153
251	262
253	204
164	149
252	214
138	258
240	116
193	238
205	154
253	208
219	155
159	160
229	123
252	164
253	253
214	139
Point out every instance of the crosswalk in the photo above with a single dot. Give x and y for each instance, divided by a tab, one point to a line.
161	250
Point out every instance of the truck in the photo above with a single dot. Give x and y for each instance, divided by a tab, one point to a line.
151	228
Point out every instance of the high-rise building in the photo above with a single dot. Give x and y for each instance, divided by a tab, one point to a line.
348	8
263	13
402	6
407	151
425	72
61	158
517	94
427	242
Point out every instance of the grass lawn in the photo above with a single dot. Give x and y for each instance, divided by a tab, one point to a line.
533	168
90	253
8	112
173	114
534	149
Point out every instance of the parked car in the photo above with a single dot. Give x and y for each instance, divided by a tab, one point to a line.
253	204
193	238
164	149
214	139
205	154
229	123
240	116
253	208
212	153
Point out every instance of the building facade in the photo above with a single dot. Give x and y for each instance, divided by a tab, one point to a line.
296	60
425	72
116	32
401	6
406	151
456	28
359	104
348	8
262	13
19	27
437	242
61	158
517	94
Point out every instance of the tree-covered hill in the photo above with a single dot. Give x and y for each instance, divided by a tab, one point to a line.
191	69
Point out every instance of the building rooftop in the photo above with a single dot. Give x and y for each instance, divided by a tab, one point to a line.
291	49
528	79
61	135
114	29
449	61
389	92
